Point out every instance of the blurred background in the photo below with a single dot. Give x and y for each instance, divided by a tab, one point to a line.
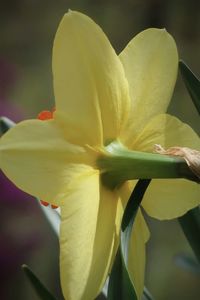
27	29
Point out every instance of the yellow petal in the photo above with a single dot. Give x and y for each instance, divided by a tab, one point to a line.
37	158
88	233
150	61
168	131
90	87
167	199
140	235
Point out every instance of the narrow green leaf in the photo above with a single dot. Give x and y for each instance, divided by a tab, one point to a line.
127	227
115	286
5	124
190	224
129	215
120	285
40	289
192	84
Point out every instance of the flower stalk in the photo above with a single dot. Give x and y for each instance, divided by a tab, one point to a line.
121	164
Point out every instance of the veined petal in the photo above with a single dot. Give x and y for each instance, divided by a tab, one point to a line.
90	87
150	61
167	199
167	131
37	158
88	233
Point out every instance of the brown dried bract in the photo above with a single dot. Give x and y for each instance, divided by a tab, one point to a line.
191	156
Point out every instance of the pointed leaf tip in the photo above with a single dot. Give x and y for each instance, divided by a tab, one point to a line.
192	84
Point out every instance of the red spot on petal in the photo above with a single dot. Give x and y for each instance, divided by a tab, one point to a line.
47	204
44	203
45	115
54	206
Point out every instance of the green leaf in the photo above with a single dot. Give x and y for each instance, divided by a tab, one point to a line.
40	289
5	124
117	287
120	285
192	84
190	224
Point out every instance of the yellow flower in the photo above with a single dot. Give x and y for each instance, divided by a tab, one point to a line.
100	98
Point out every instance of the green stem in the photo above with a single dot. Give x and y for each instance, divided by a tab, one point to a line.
120	164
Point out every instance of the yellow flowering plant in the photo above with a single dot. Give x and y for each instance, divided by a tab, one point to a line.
110	112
